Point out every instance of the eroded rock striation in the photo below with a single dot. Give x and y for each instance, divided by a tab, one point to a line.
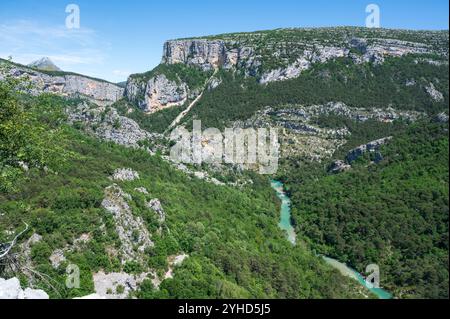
157	94
210	54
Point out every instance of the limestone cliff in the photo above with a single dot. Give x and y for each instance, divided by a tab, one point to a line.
156	94
283	54
209	54
275	55
65	84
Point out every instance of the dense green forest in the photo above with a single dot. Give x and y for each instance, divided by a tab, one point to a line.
365	85
394	214
232	237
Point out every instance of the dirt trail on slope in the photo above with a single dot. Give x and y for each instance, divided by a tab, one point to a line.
188	109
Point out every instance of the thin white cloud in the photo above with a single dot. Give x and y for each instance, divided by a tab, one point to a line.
15	30
27	41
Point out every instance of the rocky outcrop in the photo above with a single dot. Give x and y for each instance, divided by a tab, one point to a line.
26	248
304	62
141	190
124	174
209	54
339	167
156	206
11	289
174	261
108	125
434	94
120	285
57	257
378	49
290	72
157	93
65	84
214	83
373	146
131	229
115	285
308	113
441	118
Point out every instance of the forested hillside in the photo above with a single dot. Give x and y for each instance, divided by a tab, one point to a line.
60	197
365	85
394	213
362	121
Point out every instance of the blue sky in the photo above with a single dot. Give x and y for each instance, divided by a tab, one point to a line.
119	37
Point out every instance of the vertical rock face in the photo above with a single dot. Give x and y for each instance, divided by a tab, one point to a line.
135	91
210	54
161	93
157	93
203	53
97	90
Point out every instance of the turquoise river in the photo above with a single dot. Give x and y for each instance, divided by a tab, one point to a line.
286	225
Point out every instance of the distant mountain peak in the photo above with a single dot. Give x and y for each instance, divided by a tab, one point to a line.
44	64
